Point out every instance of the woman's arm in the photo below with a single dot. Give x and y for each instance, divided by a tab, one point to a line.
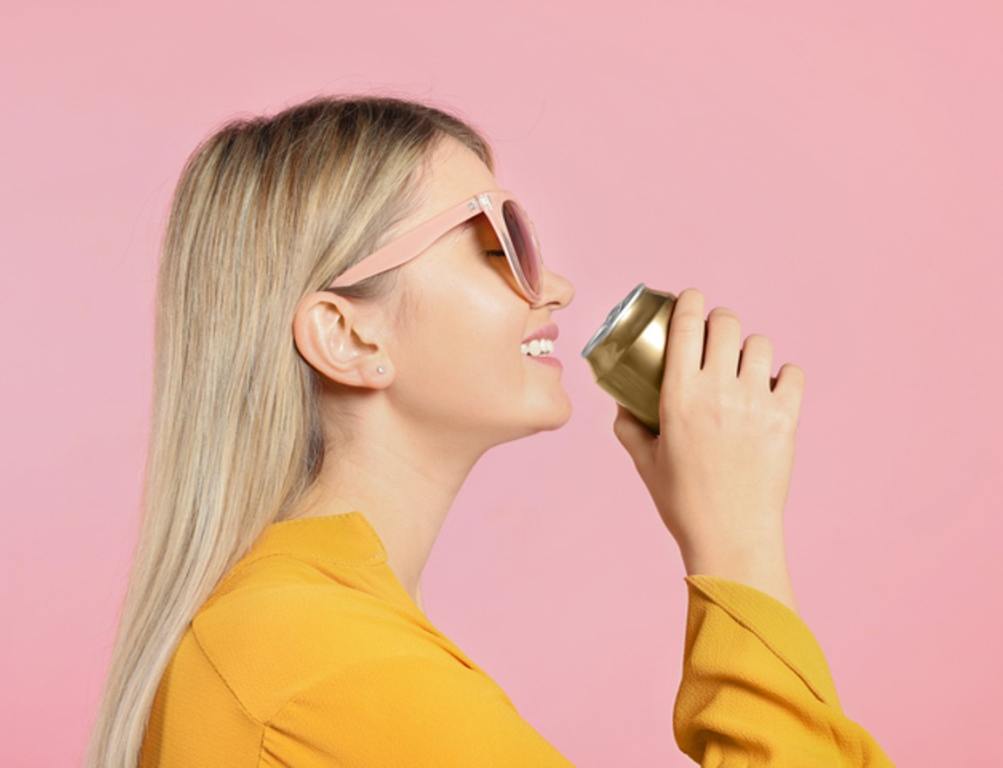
756	689
763	566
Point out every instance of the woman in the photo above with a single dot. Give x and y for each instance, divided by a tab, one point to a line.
316	413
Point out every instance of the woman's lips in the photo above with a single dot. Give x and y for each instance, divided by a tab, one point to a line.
548	331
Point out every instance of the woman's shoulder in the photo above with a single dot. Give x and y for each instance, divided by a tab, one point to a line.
282	625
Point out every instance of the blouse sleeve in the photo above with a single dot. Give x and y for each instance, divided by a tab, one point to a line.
412	711
756	689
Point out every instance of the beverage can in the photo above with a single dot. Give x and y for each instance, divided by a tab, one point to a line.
627	352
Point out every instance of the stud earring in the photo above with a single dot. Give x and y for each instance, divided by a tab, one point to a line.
379	369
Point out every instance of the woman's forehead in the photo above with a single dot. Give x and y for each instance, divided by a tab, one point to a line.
455	172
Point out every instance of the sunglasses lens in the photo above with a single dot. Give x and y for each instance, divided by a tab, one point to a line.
521	234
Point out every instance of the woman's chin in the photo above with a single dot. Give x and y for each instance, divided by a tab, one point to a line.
556	413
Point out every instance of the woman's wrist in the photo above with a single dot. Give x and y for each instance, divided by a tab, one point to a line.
763	567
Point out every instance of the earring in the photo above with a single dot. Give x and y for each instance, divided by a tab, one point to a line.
379	369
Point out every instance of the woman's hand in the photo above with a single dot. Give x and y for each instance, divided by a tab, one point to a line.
720	469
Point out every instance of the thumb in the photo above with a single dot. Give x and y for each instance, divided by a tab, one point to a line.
633	436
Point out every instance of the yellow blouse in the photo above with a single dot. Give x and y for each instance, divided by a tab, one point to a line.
311	653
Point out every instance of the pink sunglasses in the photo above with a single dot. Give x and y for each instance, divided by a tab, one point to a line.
514	228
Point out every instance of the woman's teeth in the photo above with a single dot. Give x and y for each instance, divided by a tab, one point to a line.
538	347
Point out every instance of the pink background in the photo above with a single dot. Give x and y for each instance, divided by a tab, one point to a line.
831	171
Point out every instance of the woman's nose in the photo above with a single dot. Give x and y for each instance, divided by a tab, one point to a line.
556	289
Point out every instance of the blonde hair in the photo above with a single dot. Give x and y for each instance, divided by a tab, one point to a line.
266	210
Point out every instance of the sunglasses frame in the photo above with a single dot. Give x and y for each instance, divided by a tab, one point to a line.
415	241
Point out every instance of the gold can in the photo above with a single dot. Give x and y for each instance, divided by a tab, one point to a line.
627	352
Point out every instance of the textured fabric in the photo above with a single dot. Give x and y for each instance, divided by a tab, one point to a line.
311	653
756	689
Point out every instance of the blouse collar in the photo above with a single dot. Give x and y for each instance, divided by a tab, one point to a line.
346	539
342	539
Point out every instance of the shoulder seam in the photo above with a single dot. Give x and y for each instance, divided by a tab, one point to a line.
223	679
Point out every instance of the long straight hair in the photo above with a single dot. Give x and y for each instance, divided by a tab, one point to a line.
266	210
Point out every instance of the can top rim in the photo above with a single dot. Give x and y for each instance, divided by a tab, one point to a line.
611	319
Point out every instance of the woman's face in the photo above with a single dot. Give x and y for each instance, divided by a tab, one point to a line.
459	366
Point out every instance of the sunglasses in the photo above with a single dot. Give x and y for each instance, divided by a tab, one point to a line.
513	227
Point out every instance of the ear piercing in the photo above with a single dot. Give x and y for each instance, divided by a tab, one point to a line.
380	369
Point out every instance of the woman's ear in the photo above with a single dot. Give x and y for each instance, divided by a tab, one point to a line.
332	334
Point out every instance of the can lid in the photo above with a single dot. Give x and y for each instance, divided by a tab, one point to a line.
611	319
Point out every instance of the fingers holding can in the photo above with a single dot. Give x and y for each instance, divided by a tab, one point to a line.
684	343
